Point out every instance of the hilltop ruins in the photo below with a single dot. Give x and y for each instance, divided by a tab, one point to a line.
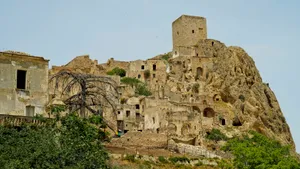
201	85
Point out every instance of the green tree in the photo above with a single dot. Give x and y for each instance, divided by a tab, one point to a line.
70	142
117	71
258	151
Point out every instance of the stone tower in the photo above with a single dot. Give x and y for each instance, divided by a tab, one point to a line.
186	32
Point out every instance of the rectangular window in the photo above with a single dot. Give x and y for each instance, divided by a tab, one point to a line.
30	111
137	106
142	67
127	113
154	67
21	79
137	115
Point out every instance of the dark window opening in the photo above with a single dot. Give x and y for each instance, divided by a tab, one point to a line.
193	31
127	113
125	131
142	67
200	28
157	130
30	111
119	112
120	124
177	33
223	122
137	106
197	54
153	75
154	67
199	73
212	43
137	115
140	130
21	79
236	122
139	76
153	119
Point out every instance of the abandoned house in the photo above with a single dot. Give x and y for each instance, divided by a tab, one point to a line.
23	84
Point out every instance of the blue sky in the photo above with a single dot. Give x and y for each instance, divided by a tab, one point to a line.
59	30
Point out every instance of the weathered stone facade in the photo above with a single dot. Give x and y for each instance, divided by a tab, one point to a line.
23	84
186	32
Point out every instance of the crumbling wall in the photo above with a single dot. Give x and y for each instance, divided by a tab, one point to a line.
34	95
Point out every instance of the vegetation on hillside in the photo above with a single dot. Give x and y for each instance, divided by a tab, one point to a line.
117	71
64	142
258	151
147	74
140	87
166	56
216	135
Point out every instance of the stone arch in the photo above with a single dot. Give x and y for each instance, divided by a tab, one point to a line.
208	112
185	129
172	128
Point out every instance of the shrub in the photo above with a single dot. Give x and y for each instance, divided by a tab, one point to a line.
162	159
123	100
147	74
117	71
166	56
225	164
130	158
130	81
199	164
195	88
258	151
142	89
179	159
216	135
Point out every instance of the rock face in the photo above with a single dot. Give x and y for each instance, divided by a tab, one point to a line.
230	76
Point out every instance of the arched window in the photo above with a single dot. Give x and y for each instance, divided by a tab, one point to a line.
208	112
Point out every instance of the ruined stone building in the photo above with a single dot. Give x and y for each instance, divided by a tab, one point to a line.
23	84
201	85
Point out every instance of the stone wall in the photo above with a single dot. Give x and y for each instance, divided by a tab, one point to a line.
188	30
35	94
